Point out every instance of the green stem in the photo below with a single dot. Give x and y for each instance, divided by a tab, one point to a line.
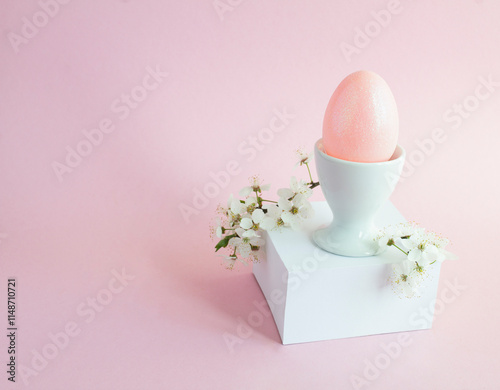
312	183
406	253
259	200
266	200
308	170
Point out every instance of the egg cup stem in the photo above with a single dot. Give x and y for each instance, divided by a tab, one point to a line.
355	193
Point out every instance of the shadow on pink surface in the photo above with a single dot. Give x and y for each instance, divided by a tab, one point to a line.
238	302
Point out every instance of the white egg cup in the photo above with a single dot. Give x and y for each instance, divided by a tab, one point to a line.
355	192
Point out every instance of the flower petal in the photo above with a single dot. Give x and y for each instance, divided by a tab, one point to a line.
239	231
273	210
245	191
306	211
258	215
268	223
285	193
305	190
287	216
431	253
244	249
234	242
246	223
415	254
413	242
252	200
410	289
257	241
298	200
230	201
406	266
237	207
284	204
249	233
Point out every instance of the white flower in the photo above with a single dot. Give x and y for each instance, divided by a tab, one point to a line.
421	251
409	228
272	219
296	187
251	204
230	201
218	230
238	210
252	224
243	244
395	233
233	218
255	186
388	236
294	212
248	206
237	207
405	279
235	210
303	158
440	243
229	261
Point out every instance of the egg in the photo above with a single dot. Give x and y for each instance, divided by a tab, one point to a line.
361	121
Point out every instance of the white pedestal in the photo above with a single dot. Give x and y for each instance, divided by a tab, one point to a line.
315	295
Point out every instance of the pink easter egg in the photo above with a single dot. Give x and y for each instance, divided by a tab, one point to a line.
361	121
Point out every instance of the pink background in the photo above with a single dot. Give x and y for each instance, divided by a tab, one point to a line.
119	209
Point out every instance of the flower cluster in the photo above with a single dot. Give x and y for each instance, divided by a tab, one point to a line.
422	249
242	220
239	230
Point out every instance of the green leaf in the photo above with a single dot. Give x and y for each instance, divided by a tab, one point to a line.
224	242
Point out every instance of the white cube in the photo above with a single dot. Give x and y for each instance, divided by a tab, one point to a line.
315	295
